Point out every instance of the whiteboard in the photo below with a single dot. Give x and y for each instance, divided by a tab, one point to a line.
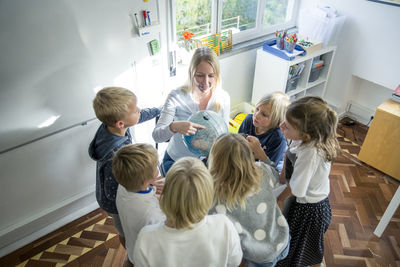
54	56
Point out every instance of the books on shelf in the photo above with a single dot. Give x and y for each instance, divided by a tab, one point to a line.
396	94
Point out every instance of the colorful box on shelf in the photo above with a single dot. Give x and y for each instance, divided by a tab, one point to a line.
271	48
310	46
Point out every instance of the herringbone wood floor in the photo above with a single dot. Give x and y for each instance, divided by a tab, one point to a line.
359	196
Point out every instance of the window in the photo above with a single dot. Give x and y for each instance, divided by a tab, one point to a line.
248	19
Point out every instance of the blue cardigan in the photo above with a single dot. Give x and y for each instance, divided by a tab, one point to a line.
102	149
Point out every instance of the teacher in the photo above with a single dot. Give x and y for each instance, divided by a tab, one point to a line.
202	92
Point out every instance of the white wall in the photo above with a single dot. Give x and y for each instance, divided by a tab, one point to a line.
48	183
237	75
366	61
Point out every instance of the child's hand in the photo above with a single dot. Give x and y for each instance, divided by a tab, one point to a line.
159	184
255	146
185	127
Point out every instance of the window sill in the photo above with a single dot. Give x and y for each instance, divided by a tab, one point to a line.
251	44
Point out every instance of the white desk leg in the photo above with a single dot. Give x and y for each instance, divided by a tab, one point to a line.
387	216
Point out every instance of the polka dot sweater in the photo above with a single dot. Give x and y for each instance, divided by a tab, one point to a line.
263	230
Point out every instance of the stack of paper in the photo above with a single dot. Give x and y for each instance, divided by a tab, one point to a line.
320	25
396	94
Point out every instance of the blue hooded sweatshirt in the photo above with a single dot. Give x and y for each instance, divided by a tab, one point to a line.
102	149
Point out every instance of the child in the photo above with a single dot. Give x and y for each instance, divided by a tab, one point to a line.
116	108
188	237
243	191
311	125
135	169
264	124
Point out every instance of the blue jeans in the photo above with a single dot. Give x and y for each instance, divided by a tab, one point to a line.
281	256
166	163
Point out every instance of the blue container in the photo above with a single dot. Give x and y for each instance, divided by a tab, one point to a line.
289	46
280	43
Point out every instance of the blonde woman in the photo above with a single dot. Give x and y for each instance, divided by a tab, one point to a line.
203	92
243	191
189	237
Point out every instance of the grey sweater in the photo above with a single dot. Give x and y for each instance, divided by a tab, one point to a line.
263	230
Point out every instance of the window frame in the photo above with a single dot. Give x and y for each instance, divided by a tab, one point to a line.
259	30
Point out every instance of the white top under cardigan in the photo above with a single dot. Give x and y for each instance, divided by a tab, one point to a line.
135	211
310	178
213	242
179	106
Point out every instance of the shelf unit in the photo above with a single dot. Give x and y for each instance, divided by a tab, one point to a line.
271	74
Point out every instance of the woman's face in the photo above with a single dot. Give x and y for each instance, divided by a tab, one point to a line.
204	77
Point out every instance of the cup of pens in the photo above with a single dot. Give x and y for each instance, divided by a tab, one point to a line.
290	42
280	37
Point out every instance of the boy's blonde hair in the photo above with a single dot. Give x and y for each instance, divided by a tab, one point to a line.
312	116
234	170
135	164
111	104
279	102
188	193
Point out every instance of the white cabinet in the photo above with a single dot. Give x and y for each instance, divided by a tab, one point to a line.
273	73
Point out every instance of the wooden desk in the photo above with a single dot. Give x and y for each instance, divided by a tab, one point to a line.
381	147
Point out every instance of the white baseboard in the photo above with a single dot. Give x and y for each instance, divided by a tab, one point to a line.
359	112
32	228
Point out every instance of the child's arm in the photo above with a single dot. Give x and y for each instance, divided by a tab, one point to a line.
282	177
255	146
284	195
148	114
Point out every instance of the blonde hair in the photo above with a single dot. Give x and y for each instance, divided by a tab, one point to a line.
233	167
204	54
313	117
188	193
111	104
135	164
278	102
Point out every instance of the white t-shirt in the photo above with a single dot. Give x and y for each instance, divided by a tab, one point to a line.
213	241
135	211
310	178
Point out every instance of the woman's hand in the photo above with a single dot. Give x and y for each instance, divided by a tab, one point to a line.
255	146
185	127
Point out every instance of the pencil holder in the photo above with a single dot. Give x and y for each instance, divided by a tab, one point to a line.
289	46
280	43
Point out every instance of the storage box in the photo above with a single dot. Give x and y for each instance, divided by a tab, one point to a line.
292	83
310	48
314	75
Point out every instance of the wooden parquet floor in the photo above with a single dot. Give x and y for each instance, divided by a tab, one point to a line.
359	196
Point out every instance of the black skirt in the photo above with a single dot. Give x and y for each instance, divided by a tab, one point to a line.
308	224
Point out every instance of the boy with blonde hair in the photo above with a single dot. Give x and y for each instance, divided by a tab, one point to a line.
135	169
264	125
188	237
116	108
